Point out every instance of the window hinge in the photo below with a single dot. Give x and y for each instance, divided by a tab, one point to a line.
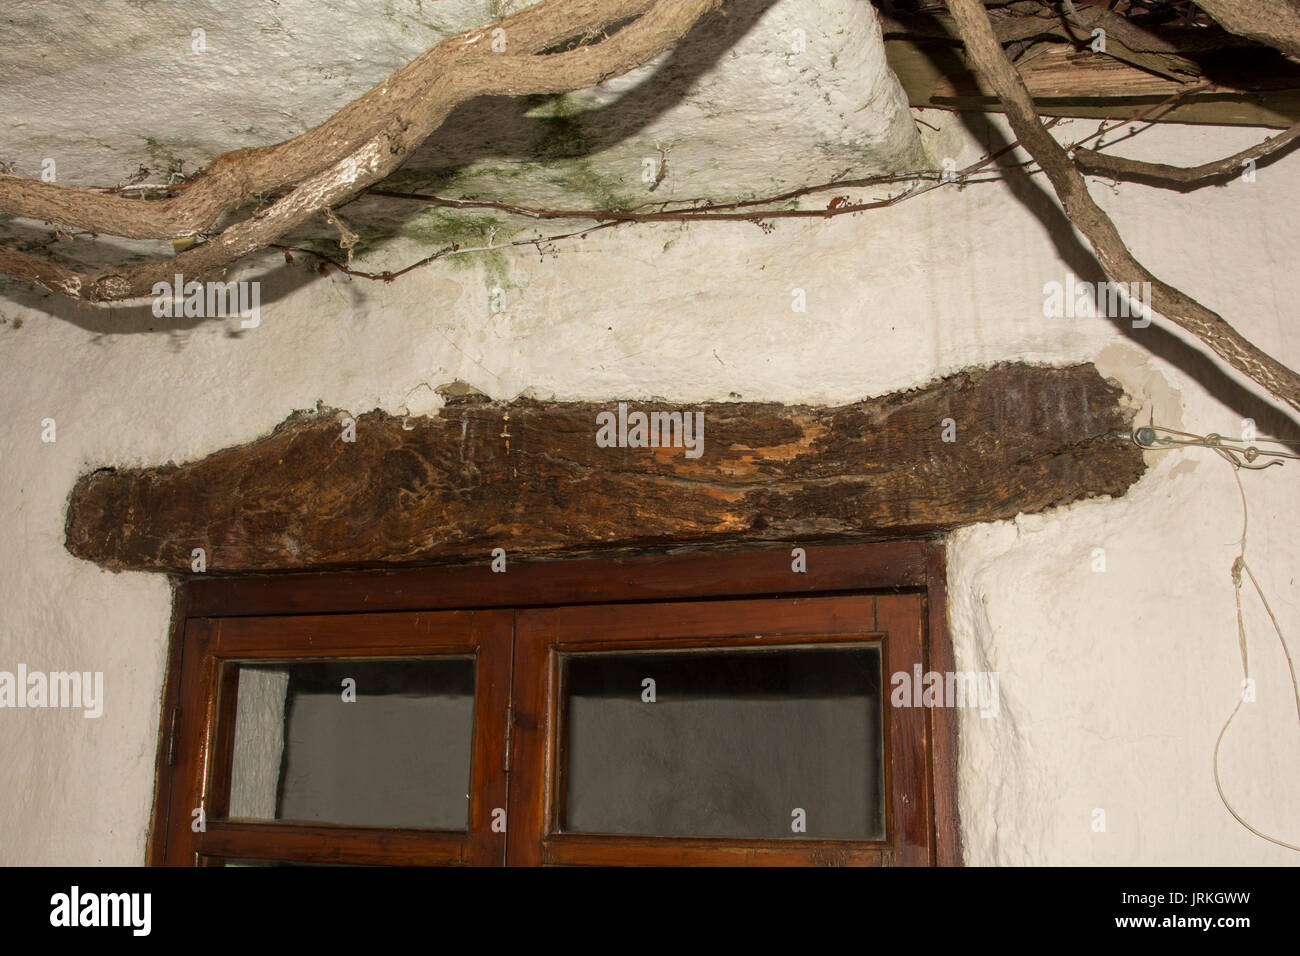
510	732
171	736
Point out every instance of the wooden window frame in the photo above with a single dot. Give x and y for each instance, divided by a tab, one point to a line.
201	772
472	610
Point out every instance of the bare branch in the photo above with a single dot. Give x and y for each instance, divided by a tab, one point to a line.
1161	174
1072	190
758	211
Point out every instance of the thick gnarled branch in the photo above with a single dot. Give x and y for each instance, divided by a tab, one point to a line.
357	147
241	175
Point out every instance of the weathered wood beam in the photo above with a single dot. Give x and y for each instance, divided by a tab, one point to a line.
531	477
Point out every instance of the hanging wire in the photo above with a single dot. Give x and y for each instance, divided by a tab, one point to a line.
1239	565
1158	438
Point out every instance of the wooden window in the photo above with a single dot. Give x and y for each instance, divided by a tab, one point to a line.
691	709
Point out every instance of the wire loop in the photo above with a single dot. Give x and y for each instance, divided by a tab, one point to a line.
1159	438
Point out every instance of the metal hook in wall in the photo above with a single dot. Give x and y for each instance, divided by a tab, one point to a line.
1158	438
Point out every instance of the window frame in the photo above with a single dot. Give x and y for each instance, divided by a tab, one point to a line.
503	603
214	647
891	622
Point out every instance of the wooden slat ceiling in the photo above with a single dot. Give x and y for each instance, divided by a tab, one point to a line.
1237	83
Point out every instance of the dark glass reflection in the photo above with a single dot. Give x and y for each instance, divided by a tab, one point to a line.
771	743
397	755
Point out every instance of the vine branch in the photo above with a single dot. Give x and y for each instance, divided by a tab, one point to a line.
1082	210
357	147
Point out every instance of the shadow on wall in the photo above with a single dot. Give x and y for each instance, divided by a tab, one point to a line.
496	127
1156	339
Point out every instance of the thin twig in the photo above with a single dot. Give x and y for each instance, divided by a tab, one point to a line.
454	250
609	218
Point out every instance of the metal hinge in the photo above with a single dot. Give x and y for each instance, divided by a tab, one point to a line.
510	733
171	736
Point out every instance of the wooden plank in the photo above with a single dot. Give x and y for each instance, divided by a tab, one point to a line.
223	742
909	776
532	757
935	76
168	723
531	477
677	576
332	635
943	720
576	850
489	791
708	623
192	756
322	844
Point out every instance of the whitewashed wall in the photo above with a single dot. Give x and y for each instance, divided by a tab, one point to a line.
1113	684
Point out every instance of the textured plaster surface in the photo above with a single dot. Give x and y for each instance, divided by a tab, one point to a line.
774	95
1113	684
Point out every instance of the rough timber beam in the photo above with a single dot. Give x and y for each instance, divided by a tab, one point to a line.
532	478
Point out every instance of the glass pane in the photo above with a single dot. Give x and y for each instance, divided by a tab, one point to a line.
358	743
765	743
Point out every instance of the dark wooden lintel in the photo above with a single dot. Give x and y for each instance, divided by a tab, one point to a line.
530	477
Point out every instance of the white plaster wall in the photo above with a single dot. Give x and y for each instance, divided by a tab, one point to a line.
1113	684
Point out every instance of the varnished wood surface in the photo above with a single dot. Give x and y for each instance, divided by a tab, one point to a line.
896	622
537	583
894	590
